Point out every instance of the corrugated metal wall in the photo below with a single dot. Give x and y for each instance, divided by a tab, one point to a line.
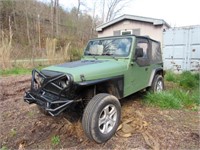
181	49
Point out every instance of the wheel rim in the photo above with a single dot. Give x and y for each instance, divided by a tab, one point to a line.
159	86
107	119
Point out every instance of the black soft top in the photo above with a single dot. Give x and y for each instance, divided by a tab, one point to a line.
131	35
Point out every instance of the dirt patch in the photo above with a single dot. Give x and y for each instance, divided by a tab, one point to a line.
23	126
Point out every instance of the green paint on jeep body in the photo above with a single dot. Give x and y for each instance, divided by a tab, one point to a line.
94	71
98	66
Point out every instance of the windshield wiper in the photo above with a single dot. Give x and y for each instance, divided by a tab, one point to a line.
90	54
114	57
107	54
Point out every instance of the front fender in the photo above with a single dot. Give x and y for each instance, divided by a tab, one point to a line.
116	82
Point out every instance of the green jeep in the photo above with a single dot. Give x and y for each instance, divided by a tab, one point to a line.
111	68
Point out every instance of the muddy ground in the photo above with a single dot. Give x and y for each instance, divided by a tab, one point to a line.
22	126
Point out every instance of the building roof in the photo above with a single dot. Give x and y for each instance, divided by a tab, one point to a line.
154	21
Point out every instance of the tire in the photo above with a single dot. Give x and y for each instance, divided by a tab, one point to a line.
157	84
41	110
103	107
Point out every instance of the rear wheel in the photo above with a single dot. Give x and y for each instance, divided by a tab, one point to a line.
157	84
101	117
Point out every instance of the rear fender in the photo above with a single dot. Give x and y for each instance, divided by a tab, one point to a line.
153	73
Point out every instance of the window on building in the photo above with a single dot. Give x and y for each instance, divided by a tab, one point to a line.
126	32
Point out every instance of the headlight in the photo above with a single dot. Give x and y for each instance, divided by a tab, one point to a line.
40	79
63	83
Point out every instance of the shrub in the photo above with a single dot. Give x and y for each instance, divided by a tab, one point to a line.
75	54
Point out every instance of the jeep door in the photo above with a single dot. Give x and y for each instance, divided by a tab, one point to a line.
140	69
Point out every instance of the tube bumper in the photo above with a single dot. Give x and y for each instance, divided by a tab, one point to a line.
53	102
54	108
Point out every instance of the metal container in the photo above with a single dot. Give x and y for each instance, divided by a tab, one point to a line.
181	49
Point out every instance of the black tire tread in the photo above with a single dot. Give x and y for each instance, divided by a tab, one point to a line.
88	111
88	116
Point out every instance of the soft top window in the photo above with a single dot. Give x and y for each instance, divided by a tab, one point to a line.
151	49
155	52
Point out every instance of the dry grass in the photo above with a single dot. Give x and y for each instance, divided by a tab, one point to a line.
51	49
57	54
5	51
78	129
65	52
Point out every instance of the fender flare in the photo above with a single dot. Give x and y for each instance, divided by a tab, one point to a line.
153	73
117	81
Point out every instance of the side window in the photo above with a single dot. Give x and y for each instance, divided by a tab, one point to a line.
143	43
142	52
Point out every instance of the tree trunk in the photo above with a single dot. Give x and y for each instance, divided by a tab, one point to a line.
52	18
27	24
39	36
57	19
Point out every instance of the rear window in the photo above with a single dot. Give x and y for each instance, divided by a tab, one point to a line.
156	52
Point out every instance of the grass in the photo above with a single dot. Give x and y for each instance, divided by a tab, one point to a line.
13	132
5	50
175	99
31	113
55	140
18	71
3	148
170	76
186	95
189	80
186	79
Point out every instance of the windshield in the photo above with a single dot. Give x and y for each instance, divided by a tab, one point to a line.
116	47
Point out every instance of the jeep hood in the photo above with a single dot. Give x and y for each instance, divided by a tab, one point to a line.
90	69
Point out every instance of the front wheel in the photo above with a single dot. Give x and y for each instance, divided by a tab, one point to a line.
101	117
157	84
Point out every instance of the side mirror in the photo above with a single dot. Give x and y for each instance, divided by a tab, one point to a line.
139	52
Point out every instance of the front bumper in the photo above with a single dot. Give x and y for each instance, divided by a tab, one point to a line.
45	96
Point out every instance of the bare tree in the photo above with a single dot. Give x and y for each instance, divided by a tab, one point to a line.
112	8
54	17
27	21
57	16
93	19
79	6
